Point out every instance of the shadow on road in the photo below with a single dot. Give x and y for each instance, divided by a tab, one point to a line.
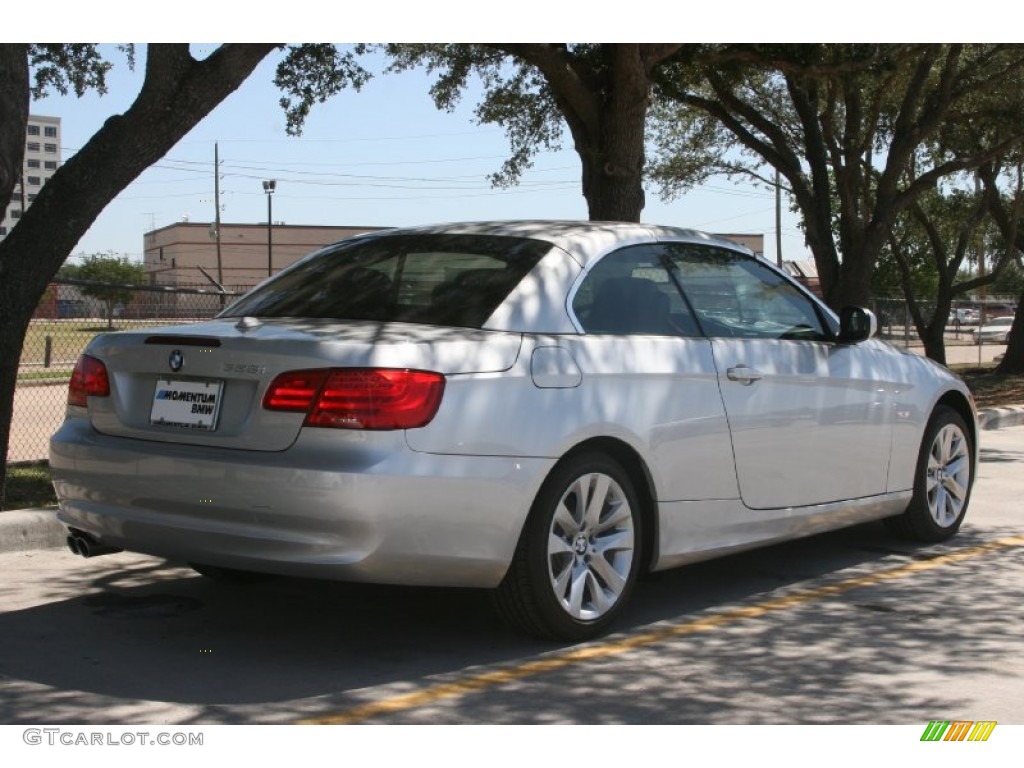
143	632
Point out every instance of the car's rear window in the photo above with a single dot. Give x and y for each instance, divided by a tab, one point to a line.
456	280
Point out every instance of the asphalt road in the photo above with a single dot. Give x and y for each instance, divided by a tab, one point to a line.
847	628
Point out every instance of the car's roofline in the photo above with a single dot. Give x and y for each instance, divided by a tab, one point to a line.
583	240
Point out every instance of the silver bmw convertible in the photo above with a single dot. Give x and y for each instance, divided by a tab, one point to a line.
543	409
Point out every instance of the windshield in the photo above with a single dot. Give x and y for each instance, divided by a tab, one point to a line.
456	280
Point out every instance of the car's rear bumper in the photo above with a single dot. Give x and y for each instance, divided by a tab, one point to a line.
341	505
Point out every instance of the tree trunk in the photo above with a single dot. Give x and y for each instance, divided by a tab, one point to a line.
13	116
605	106
852	287
934	337
177	93
14	110
613	192
1013	360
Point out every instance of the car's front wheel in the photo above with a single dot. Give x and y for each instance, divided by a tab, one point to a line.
579	554
942	485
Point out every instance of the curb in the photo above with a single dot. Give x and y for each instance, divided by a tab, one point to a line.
28	529
997	418
52	382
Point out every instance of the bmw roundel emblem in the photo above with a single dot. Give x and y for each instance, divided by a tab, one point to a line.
176	360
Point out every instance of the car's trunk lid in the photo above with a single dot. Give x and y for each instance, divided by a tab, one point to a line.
203	384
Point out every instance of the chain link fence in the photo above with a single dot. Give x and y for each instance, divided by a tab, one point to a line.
71	313
976	330
74	311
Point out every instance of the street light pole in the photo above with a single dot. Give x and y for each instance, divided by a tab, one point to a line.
269	187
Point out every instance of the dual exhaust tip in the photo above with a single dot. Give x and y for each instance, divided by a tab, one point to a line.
87	546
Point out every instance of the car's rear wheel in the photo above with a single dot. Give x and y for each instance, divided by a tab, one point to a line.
942	485
579	554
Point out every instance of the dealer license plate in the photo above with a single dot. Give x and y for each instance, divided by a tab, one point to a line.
180	403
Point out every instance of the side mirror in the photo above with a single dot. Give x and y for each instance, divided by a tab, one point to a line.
856	324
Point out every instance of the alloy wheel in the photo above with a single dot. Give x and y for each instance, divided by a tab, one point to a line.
591	546
948	475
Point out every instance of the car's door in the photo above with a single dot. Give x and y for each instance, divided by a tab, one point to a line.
646	365
810	418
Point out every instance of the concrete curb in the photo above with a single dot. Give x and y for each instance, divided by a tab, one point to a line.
997	418
25	529
28	529
45	382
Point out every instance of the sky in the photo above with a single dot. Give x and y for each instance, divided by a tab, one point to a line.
385	156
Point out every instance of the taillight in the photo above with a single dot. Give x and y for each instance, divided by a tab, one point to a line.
294	391
358	398
89	379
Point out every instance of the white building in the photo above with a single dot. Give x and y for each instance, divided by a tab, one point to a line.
42	159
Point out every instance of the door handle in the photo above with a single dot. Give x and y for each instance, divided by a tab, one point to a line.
744	375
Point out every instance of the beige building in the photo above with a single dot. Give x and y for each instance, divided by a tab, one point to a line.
42	159
174	254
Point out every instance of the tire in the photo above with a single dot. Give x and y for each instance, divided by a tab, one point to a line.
228	575
942	482
579	554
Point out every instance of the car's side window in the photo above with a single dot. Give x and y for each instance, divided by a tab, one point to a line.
734	295
630	292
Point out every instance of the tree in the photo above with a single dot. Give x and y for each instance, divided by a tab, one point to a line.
942	231
111	275
601	91
846	126
177	92
1010	282
1005	212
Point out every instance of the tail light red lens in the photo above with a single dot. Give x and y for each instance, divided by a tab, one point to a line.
89	379
294	391
358	398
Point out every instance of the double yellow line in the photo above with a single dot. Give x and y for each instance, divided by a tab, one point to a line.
559	661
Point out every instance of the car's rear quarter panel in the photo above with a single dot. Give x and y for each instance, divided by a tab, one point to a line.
659	395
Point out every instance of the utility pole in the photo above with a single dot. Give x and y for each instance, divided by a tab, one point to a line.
216	202
778	221
269	187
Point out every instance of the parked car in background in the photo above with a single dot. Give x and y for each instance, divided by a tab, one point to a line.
543	409
965	316
997	330
993	311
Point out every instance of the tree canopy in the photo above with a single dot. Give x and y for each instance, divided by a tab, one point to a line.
858	131
110	275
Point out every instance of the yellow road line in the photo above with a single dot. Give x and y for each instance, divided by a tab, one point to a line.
556	662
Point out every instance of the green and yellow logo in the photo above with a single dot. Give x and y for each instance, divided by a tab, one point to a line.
958	730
